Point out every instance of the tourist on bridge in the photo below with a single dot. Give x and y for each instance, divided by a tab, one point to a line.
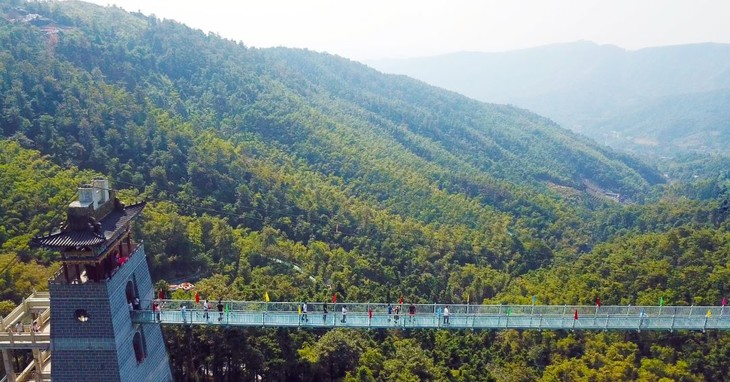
206	306
390	312
412	312
220	310
324	313
370	314
36	328
395	315
446	315
304	312
438	315
197	298
182	311
156	310
344	314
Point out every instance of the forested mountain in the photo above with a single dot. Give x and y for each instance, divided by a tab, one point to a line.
660	99
375	185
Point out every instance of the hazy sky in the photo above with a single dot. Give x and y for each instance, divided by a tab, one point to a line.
371	29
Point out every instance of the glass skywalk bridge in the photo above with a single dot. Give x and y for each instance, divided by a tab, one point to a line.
548	317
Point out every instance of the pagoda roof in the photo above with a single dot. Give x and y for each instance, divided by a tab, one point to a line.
110	224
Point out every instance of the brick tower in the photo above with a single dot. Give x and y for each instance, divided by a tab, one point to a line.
103	271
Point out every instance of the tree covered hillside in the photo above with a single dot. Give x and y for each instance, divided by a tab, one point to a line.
313	145
676	248
374	186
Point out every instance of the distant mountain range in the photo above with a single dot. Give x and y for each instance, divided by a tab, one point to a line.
659	99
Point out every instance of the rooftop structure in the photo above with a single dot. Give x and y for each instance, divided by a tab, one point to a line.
95	238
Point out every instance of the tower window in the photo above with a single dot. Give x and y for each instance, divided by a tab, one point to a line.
131	290
81	315
140	347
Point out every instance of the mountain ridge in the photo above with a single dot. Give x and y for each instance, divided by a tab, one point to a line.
584	86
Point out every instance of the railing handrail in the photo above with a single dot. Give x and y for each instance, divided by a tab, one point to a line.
454	309
359	319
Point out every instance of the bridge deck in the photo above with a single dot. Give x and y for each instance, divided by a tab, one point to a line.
547	317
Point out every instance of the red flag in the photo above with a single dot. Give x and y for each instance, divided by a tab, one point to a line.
197	298
334	298
598	302
401	300
575	317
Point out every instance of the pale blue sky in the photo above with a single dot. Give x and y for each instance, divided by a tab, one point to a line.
375	29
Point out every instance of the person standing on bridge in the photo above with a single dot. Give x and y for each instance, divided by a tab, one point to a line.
220	310
304	312
446	315
370	314
344	314
182	312
324	313
412	313
438	315
206	306
197	298
156	311
390	312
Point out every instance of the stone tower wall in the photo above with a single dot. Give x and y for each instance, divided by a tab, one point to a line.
101	349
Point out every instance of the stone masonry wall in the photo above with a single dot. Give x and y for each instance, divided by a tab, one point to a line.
101	349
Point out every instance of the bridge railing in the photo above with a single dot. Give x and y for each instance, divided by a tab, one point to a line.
505	320
454	309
